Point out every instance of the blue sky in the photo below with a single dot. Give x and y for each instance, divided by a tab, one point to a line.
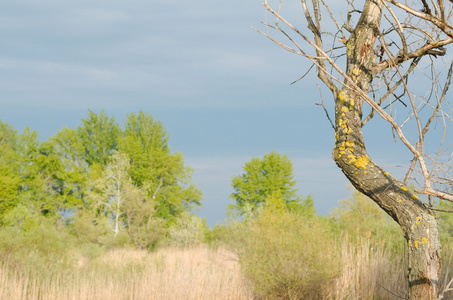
221	89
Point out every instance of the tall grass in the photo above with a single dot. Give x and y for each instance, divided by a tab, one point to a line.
191	273
279	258
369	271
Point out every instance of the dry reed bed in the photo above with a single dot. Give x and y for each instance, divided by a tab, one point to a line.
368	272
193	273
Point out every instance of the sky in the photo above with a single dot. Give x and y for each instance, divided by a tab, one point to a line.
221	89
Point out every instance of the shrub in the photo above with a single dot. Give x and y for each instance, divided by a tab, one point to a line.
40	250
110	241
186	231
288	255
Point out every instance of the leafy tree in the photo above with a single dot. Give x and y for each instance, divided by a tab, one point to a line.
80	178
9	186
9	169
388	50
46	182
108	191
142	226
34	193
99	135
267	179
166	178
68	146
145	141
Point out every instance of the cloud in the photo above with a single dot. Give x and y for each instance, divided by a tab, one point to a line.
103	53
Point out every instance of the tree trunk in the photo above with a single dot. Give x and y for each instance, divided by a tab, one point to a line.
417	222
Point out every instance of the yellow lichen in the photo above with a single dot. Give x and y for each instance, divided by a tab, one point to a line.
416	244
415	197
362	161
344	109
349	143
424	241
342	97
403	188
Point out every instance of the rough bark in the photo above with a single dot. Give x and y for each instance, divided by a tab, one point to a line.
418	223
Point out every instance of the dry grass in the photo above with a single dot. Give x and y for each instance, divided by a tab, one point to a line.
369	271
194	273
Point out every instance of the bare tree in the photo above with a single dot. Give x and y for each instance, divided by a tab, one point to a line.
392	59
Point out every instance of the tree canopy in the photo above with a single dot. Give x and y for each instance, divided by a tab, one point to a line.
97	176
264	180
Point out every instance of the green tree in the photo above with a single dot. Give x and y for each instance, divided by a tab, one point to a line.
9	169
166	178
267	179
99	135
34	193
108	191
47	183
67	145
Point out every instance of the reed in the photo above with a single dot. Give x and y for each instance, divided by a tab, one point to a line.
189	273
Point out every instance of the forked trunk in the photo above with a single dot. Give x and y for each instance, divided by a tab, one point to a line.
417	222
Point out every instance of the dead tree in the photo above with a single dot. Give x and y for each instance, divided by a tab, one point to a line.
369	58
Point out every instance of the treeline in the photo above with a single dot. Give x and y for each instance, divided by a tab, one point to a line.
98	182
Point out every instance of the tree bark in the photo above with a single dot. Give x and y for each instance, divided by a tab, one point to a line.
417	222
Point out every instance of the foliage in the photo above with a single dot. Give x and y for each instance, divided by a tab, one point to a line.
188	230
96	177
87	227
445	219
266	178
359	217
287	255
99	135
142	226
37	248
153	167
108	189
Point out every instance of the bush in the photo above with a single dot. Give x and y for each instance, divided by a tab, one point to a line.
288	256
41	250
188	230
121	240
